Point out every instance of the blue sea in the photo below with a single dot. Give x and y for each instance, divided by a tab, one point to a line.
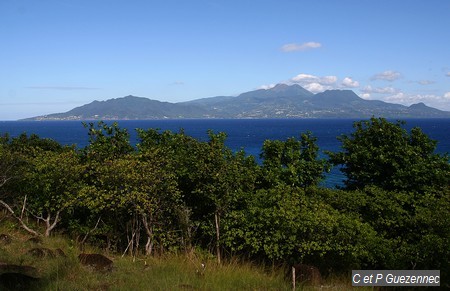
246	134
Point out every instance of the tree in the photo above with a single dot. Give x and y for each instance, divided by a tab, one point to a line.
210	177
11	171
223	177
402	188
106	141
7	164
384	154
29	144
412	228
52	185
129	190
181	153
46	177
132	192
291	225
293	162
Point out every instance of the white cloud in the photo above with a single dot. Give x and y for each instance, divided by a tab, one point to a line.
448	74
315	87
365	96
328	80
306	79
317	84
293	47
447	95
266	87
313	83
350	83
387	76
301	78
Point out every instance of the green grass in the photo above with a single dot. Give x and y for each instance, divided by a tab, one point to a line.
170	272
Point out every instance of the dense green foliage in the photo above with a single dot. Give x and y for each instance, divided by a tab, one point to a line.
384	154
292	162
174	193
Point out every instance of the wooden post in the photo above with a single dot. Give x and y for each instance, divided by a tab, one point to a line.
217	220
293	278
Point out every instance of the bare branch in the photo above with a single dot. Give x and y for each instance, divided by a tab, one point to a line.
90	231
23	207
18	218
35	216
7	207
131	240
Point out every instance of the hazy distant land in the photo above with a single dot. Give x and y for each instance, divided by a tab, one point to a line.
281	101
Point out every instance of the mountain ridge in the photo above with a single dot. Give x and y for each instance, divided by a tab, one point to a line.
280	101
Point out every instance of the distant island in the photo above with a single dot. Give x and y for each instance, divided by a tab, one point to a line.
281	101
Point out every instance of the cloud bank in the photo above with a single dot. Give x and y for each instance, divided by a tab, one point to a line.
313	83
318	84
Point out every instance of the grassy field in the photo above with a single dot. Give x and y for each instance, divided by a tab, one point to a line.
171	272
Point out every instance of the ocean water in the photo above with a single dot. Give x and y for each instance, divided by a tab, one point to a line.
246	134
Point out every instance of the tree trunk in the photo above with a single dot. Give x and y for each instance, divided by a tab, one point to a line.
149	231
137	237
49	227
185	222
188	247
217	221
149	246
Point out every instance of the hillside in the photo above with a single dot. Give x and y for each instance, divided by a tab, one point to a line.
129	107
281	101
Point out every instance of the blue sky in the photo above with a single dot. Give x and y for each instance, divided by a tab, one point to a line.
59	54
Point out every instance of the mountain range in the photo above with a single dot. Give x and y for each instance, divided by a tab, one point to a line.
281	101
